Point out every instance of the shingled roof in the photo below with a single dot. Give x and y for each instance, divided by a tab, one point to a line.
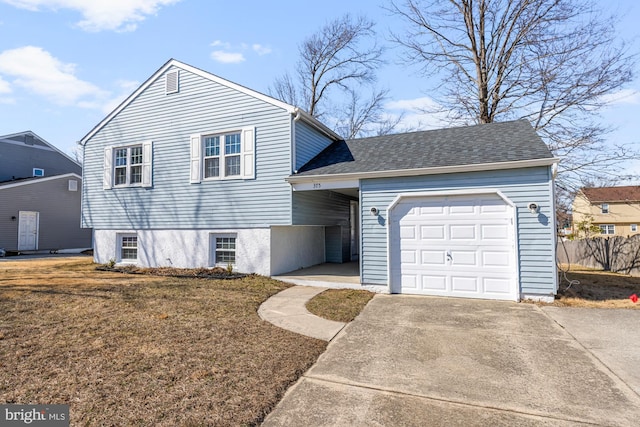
629	193
471	145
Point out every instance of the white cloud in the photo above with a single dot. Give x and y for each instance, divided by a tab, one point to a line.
227	57
220	43
624	96
4	86
39	72
229	54
260	49
99	15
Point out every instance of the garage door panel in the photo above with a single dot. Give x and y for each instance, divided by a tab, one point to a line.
461	207
464	284
434	283
496	259
494	232
408	232
463	258
462	232
432	258
477	233
430	209
409	281
409	258
432	232
496	285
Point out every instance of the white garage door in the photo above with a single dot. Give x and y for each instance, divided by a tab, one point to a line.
460	246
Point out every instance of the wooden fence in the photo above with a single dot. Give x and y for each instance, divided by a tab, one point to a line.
615	253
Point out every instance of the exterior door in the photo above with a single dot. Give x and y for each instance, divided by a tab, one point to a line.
454	246
28	231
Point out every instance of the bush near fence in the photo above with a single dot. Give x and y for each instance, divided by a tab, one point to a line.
615	253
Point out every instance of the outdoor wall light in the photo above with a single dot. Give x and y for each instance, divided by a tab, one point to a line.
374	211
13	218
533	208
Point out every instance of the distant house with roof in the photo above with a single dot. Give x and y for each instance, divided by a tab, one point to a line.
40	190
615	210
193	170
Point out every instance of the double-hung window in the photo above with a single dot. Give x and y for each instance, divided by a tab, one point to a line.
128	247
607	229
128	166
223	155
223	249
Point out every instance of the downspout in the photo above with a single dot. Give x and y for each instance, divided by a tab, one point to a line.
296	117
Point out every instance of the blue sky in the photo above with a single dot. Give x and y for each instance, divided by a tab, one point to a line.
65	64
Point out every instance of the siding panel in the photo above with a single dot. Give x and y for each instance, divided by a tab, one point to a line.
201	106
309	143
535	233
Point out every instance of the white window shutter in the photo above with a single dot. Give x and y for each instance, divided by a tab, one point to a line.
107	181
147	164
196	170
248	153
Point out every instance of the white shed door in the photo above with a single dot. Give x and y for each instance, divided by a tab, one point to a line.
27	231
459	246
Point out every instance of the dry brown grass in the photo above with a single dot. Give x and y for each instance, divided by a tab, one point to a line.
597	289
341	305
142	350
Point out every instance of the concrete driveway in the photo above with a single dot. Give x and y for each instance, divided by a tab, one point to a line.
437	361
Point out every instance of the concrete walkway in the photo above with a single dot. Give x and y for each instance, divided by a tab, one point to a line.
287	310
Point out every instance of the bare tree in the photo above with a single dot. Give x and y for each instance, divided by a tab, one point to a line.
338	62
549	61
365	116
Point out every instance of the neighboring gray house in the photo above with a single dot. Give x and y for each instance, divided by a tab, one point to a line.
192	170
25	155
39	196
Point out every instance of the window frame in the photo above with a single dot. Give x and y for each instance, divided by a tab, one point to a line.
121	247
223	155
143	170
633	228
244	161
607	229
128	166
604	208
36	174
215	250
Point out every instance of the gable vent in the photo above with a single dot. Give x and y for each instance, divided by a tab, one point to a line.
171	82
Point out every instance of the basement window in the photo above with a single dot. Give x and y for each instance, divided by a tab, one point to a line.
38	172
128	247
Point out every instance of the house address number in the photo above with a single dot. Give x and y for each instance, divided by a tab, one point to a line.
317	185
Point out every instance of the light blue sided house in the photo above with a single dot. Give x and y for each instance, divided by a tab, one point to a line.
192	170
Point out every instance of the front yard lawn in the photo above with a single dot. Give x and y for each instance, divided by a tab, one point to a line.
125	349
597	289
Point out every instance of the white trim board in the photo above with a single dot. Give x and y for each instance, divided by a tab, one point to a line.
38	180
295	179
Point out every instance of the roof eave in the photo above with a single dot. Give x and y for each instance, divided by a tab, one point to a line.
294	179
